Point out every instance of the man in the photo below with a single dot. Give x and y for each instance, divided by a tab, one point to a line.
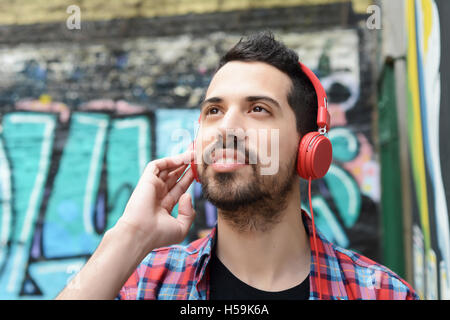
262	246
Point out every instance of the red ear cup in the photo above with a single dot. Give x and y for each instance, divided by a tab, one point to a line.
314	156
193	165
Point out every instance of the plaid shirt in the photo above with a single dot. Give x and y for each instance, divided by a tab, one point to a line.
181	272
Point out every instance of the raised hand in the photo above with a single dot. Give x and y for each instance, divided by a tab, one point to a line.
157	192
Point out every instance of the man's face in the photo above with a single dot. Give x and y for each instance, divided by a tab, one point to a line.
248	135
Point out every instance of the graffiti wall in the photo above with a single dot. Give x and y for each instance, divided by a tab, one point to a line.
79	122
428	114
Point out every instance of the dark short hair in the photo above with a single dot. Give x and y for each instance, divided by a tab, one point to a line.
263	47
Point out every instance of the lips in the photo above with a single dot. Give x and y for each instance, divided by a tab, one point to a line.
229	156
227	160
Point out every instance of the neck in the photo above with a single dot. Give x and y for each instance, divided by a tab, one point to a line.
274	259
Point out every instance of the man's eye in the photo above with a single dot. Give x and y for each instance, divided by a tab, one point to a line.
258	109
212	110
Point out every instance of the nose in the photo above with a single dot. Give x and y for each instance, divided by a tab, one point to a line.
231	129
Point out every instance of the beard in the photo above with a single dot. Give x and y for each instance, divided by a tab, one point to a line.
252	203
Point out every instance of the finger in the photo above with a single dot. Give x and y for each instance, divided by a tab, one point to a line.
186	213
160	186
177	190
158	167
165	180
177	172
173	162
174	176
171	178
165	175
182	185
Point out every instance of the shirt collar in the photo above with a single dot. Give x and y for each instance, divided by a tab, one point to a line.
329	264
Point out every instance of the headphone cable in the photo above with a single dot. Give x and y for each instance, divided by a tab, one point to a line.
314	241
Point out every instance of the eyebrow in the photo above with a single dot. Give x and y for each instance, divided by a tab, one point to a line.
249	99
210	100
263	98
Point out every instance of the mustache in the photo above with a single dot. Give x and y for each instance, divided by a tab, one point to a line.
233	147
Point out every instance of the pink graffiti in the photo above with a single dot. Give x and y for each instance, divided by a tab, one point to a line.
364	169
119	107
337	114
44	104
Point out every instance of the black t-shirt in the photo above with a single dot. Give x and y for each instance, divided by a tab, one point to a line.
225	286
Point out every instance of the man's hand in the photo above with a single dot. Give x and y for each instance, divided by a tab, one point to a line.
157	192
146	224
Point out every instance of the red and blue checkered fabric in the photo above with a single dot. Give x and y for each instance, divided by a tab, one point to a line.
181	272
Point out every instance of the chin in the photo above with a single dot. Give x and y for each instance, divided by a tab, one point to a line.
230	190
239	177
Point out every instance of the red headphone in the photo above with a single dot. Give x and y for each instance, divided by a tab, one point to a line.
314	152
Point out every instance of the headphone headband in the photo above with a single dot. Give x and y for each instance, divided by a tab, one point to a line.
323	116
